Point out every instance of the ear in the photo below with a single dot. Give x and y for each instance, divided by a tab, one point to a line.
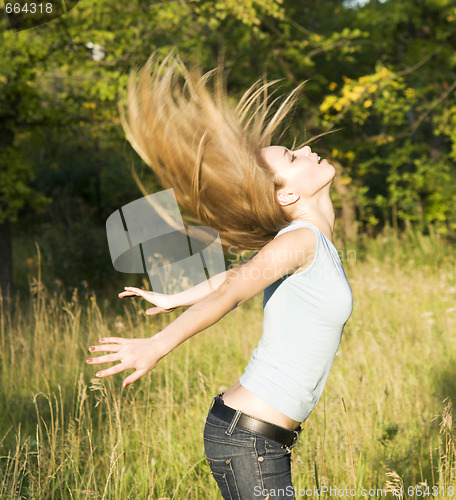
286	198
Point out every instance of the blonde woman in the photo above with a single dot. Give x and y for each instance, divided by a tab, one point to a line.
217	158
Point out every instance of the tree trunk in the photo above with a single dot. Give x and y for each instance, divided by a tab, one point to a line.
348	216
97	166
6	261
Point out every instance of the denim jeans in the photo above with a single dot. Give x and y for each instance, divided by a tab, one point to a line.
246	465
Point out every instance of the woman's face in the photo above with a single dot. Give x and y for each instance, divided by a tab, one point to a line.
300	170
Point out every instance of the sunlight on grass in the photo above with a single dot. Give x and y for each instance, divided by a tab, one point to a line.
384	420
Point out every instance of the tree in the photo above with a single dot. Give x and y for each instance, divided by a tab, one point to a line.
65	76
396	113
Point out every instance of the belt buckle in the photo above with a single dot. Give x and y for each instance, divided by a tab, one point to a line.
295	439
212	404
218	396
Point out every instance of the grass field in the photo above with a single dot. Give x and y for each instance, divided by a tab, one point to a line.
384	420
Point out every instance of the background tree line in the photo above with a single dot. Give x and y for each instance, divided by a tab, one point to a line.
380	76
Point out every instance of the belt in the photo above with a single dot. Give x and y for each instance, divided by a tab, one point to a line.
285	437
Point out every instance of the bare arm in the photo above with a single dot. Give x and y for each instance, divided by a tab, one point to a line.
166	303
279	257
144	354
197	292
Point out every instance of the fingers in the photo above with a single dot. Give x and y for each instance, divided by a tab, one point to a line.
133	378
129	291
112	344
120	367
132	353
107	358
103	348
113	340
158	310
154	310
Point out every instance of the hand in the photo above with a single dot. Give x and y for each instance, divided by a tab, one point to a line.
162	301
140	354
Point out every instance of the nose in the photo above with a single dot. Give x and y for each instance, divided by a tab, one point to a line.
306	150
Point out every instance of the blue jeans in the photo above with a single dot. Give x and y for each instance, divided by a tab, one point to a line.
246	465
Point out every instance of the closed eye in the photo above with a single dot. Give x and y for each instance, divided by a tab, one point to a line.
293	157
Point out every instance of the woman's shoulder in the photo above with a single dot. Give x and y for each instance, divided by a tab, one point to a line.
297	224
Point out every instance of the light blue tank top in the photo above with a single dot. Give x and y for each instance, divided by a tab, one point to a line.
304	316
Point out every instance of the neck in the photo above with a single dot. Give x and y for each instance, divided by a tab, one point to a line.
318	211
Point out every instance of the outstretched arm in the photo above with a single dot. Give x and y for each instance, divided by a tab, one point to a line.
144	354
166	303
279	257
198	292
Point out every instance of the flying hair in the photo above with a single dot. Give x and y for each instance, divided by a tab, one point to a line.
184	126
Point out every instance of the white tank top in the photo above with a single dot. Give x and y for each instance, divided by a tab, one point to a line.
304	316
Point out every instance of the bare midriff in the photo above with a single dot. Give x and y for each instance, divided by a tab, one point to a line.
239	398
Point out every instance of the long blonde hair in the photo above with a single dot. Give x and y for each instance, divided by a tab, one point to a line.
183	125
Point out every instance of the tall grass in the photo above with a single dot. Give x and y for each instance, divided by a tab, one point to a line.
384	420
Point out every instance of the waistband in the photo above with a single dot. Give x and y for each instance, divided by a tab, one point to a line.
236	418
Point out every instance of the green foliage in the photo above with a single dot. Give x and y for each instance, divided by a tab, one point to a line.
15	190
395	118
383	74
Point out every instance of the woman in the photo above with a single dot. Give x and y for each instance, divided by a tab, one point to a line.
217	159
